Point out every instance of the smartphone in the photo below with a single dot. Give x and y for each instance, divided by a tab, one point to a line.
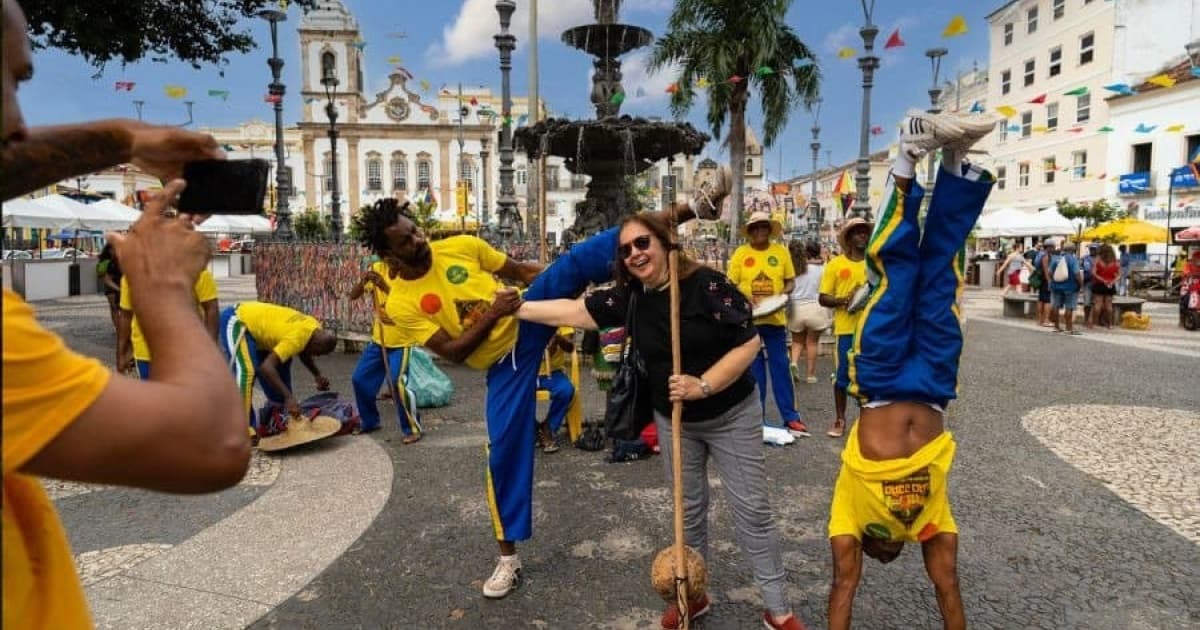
224	186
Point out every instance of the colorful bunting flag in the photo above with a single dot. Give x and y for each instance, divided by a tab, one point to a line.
1038	100
735	79
1040	129
640	92
847	53
1119	88
175	91
1196	72
424	85
894	40
876	130
1174	128
673	88
474	101
309	100
1105	129
223	94
764	71
360	44
956	27
617	98
1079	91
1014	128
1144	128
522	119
124	86
1006	111
1075	129
394	60
977	107
702	82
1102	175
227	147
1161	80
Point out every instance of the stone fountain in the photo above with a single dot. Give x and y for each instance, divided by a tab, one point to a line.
612	148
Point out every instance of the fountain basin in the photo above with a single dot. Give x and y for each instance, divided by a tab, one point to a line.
607	41
624	139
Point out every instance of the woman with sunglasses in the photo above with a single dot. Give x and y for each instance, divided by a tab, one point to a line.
721	414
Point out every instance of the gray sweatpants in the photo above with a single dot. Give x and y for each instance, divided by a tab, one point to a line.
734	440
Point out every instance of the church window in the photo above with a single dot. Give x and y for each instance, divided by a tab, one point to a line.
328	65
399	172
424	170
374	174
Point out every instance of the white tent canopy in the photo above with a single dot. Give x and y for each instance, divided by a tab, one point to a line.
91	216
117	209
25	213
235	224
1010	222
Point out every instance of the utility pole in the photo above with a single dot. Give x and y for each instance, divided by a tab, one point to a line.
537	182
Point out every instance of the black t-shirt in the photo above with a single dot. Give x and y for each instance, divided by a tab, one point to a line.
714	318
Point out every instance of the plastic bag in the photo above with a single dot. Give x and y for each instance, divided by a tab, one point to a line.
429	385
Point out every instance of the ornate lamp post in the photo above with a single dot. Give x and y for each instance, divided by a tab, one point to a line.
814	206
506	201
483	158
935	92
867	63
283	184
330	81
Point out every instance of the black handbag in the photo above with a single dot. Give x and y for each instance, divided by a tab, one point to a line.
627	410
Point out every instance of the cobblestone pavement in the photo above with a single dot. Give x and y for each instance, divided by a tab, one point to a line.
1074	488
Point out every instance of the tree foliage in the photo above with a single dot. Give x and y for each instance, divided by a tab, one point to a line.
1094	213
423	210
194	31
311	226
718	40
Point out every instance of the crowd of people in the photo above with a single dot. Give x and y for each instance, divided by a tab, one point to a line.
892	291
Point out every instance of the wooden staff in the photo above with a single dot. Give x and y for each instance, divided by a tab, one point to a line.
377	326
681	569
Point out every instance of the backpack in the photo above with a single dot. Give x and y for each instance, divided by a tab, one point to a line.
1061	269
1035	278
592	437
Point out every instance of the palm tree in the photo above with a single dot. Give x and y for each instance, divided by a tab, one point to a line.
737	46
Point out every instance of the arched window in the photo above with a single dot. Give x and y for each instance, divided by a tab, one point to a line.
466	171
749	165
328	65
374	172
522	176
399	172
424	170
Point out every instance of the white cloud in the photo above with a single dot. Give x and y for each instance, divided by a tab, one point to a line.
470	35
635	76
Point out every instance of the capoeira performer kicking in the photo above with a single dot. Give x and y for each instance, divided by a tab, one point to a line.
904	370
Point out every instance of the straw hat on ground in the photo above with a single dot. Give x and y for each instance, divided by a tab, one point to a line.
300	431
851	224
762	217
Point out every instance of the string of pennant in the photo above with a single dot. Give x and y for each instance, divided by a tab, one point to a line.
956	27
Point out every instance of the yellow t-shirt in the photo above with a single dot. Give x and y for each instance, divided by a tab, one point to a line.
279	329
840	278
901	500
761	273
556	359
387	336
46	387
205	290
457	289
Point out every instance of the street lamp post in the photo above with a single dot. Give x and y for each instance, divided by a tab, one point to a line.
283	184
330	81
935	93
867	63
483	158
506	42
814	206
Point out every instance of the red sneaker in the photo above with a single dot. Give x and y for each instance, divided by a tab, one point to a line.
790	623
797	429
696	609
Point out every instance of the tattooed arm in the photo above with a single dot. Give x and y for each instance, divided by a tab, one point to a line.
51	154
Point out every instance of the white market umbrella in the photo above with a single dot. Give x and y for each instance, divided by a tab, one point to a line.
25	213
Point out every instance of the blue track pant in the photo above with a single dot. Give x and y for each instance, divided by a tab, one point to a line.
909	338
512	382
369	375
773	357
561	392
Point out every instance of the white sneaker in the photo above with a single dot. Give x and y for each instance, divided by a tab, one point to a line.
925	131
505	578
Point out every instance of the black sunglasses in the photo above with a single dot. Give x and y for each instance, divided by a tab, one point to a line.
642	243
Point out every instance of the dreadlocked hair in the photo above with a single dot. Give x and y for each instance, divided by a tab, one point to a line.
372	220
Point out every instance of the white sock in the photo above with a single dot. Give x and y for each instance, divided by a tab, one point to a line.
952	160
905	163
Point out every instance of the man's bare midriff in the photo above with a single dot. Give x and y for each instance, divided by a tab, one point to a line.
897	430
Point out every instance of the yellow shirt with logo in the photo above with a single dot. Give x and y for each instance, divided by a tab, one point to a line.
205	290
840	278
899	500
279	329
556	359
387	335
762	273
46	387
458	289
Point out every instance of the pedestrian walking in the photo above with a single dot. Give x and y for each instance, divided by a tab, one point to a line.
807	319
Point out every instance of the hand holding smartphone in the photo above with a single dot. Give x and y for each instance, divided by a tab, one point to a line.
224	186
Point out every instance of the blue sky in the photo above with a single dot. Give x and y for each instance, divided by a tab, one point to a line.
449	41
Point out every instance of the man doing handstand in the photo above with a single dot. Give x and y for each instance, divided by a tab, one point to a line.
904	371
